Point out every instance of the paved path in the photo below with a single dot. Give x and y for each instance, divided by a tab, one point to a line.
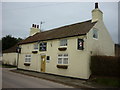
15	80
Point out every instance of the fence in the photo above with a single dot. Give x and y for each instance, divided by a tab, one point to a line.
105	65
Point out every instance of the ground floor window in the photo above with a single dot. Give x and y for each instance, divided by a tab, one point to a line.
62	58
27	58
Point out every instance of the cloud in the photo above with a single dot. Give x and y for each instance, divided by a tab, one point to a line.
18	17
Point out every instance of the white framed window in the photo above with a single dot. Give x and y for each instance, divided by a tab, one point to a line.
95	33
62	58
63	42
27	58
35	46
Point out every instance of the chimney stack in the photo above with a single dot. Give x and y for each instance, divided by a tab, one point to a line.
35	26
38	26
34	29
97	14
96	5
32	25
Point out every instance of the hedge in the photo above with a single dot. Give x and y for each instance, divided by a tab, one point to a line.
105	65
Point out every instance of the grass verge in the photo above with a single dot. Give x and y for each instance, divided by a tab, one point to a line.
106	81
8	66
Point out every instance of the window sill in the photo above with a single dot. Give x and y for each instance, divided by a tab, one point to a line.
62	48
95	38
34	52
62	66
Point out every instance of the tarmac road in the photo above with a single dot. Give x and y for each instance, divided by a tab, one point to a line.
15	80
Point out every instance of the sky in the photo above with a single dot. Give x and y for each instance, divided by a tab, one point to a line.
17	17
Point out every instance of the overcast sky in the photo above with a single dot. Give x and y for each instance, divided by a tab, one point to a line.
17	17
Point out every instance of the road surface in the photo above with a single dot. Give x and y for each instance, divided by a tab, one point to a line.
16	80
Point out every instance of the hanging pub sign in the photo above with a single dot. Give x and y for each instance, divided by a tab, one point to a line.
80	44
43	46
18	50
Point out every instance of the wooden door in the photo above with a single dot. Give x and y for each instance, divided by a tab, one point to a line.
43	63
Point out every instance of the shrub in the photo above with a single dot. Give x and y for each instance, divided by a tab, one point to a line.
105	65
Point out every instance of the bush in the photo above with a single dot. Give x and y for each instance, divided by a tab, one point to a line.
105	65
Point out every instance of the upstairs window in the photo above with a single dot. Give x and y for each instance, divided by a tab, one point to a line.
95	34
36	46
62	58
28	58
63	42
43	46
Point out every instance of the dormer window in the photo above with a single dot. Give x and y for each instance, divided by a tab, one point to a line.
63	42
95	33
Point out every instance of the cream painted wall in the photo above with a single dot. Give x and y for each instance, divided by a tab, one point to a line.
79	60
104	44
35	58
34	64
97	14
10	58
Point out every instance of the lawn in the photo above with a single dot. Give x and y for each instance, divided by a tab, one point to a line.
106	81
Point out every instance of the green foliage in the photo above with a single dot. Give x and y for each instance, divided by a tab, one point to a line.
9	41
107	81
105	66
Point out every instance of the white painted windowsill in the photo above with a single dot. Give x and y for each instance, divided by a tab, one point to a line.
63	46
95	38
